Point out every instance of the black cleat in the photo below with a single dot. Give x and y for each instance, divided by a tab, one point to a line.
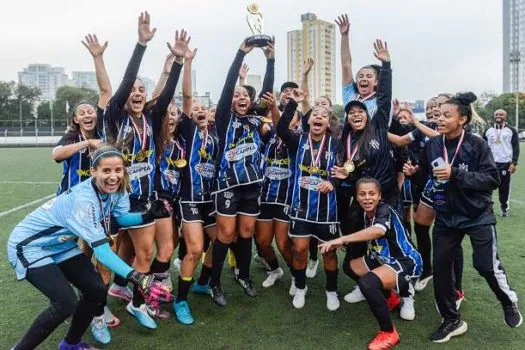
449	329
512	315
247	285
218	296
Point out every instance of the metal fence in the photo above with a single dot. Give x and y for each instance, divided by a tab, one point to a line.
31	134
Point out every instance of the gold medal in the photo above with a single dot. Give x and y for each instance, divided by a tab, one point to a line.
349	166
266	120
253	8
141	156
181	163
202	153
314	170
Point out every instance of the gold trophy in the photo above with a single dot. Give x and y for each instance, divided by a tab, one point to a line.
256	24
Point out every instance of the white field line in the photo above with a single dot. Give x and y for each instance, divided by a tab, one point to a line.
30	182
7	212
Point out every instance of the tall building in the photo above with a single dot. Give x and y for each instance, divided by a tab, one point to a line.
204	99
87	80
316	39
255	81
48	79
513	45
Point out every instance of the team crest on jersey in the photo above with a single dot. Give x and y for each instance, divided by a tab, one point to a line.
240	152
328	155
236	125
374	144
463	166
306	147
311	183
172	176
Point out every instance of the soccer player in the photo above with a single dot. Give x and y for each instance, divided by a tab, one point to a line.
464	175
504	144
313	211
239	175
43	249
390	263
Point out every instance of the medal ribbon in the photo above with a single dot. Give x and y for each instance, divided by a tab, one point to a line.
144	134
350	155
105	223
318	158
369	97
445	153
181	149
204	142
498	134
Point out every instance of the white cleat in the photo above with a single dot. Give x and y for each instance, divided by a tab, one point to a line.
293	288
299	298
354	296
407	311
422	283
311	269
273	276
332	301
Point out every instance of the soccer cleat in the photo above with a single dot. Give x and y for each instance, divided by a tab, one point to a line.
505	213
157	312
183	312
407	311
393	301
311	269
123	293
384	340
354	296
201	289
273	276
332	301
247	286
141	314
262	261
177	263
80	346
460	296
217	294
111	320
449	329
99	330
512	315
293	288
299	298
422	283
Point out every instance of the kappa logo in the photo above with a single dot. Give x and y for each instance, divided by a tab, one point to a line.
236	125
306	147
328	155
374	144
228	195
463	166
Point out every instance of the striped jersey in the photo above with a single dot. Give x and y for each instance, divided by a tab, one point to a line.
350	93
76	167
277	167
240	155
395	246
201	153
49	234
169	170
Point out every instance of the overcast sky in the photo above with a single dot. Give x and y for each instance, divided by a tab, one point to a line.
436	46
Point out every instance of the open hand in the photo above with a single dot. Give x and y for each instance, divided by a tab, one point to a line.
339	172
343	23
180	45
145	33
330	245
298	95
93	46
381	51
307	65
269	100
243	73
325	187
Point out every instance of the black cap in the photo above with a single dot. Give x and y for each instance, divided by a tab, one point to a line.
289	84
355	103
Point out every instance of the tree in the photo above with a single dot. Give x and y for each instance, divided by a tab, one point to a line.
506	102
71	95
16	97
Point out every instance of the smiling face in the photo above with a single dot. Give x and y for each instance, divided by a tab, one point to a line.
432	110
241	101
324	102
368	196
211	115
173	117
500	116
200	115
286	95
109	174
136	99
319	121
403	117
357	118
366	81
86	117
450	121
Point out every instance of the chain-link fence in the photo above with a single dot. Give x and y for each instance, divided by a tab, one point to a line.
34	133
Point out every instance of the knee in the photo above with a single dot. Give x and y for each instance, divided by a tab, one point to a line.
194	256
347	269
484	268
144	254
65	307
165	251
226	236
96	293
369	283
300	253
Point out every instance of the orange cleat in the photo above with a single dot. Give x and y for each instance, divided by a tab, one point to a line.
393	301
384	340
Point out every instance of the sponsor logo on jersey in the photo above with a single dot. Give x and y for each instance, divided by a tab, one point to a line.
311	183
276	173
463	166
81	172
206	170
313	170
172	176
241	151
139	170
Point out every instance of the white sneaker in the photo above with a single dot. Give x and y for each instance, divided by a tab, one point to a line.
311	269
354	296
407	311
273	276
177	263
332	301
422	283
299	298
293	288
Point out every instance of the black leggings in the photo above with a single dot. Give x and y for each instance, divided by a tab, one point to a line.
54	282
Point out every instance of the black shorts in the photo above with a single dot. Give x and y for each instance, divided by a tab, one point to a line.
410	193
273	211
197	213
242	200
322	231
139	206
404	270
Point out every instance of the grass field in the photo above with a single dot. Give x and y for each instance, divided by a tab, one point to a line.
268	321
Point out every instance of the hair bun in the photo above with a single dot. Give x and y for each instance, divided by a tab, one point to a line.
466	98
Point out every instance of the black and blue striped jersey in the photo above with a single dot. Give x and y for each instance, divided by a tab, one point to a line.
169	168
308	204
76	167
395	246
277	167
201	153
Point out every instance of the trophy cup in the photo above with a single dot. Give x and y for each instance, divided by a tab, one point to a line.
256	23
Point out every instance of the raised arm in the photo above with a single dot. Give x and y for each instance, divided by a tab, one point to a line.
243	73
271	102
187	90
223	109
269	76
307	67
346	57
384	88
97	51
283	127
